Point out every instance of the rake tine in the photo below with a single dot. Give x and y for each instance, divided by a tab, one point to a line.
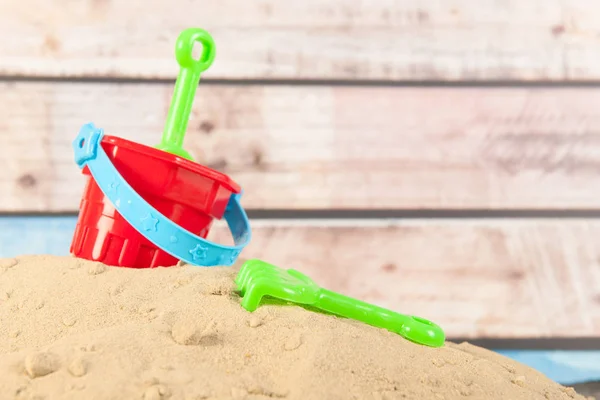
258	274
245	270
250	269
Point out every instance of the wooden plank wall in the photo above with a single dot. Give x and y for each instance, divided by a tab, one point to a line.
374	108
383	40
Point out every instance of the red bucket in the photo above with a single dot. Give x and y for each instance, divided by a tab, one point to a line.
189	194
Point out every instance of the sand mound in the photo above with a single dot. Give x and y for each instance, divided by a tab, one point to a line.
72	329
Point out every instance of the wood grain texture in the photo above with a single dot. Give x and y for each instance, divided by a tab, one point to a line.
311	39
496	279
323	147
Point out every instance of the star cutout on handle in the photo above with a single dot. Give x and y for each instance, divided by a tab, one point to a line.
150	223
113	186
199	252
233	256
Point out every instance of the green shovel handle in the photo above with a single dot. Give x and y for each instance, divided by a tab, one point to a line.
185	87
184	48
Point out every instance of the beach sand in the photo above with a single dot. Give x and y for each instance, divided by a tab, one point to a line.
73	329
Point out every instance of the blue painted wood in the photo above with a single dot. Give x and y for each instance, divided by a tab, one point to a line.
52	235
36	235
567	367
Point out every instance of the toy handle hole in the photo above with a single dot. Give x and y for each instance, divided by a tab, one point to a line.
195	49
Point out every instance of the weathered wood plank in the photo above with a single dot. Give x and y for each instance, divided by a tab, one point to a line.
337	39
497	279
324	147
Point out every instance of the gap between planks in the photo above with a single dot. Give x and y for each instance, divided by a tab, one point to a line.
466	84
438	214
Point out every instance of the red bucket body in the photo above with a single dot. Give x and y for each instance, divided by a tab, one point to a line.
187	193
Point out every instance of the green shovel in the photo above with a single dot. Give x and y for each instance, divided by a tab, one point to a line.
185	87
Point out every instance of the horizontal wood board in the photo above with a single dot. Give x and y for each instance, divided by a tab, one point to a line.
386	40
492	279
323	147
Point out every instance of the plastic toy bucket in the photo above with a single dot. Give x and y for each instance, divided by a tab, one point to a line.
188	194
146	207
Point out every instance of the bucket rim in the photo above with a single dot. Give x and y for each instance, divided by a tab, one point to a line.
191	166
